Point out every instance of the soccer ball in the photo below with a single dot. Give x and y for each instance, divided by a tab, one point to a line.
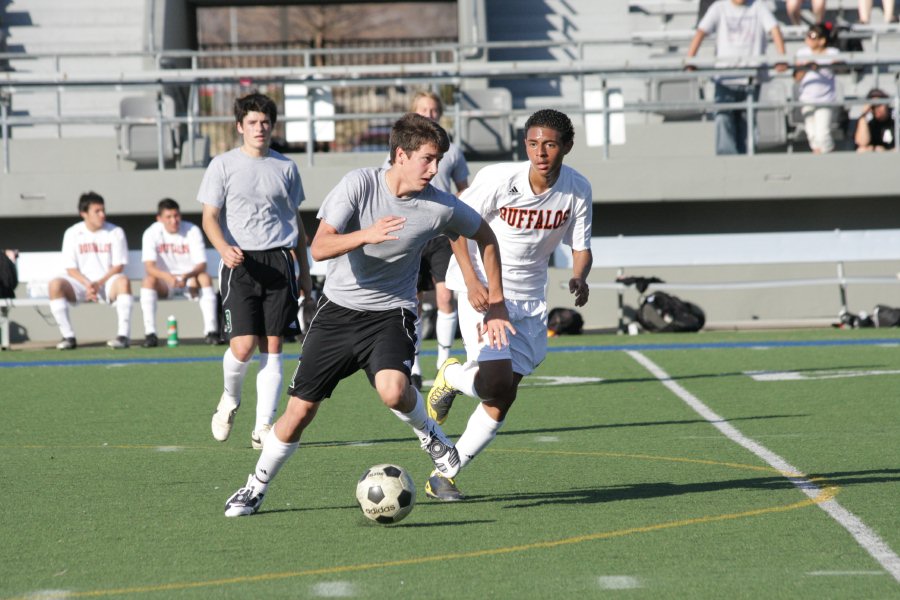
386	494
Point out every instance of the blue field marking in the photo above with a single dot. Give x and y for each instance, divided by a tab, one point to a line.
597	348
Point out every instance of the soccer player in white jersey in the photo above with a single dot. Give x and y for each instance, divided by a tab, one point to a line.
372	228
174	258
453	170
94	256
251	196
531	207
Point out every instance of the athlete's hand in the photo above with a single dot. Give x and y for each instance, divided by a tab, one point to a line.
579	287
478	296
496	324
383	228
232	256
92	292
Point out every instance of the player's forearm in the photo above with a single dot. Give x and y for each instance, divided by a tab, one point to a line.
582	260
490	255
113	270
332	245
212	229
303	261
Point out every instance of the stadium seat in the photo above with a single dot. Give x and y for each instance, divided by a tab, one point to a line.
771	123
486	135
677	90
140	142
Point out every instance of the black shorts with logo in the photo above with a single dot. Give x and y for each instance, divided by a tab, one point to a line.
259	296
434	263
341	341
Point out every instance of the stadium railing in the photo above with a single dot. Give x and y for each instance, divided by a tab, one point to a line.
589	73
634	255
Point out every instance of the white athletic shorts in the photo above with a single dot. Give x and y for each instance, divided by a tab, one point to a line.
527	348
81	291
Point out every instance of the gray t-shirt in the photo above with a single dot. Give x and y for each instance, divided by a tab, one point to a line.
452	168
740	30
383	276
259	198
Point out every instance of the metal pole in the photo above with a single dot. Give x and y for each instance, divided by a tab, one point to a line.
4	115
751	121
605	108
843	287
160	158
311	122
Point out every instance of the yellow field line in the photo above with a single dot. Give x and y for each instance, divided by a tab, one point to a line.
825	495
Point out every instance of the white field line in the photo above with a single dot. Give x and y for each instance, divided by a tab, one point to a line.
864	536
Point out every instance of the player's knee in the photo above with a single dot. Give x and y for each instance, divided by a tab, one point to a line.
496	386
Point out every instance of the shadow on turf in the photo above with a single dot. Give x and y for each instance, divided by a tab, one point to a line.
643	491
507	432
651	379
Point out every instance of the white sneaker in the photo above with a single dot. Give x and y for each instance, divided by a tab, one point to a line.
442	451
246	500
223	418
258	436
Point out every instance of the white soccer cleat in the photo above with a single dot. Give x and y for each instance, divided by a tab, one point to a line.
442	451
246	500
223	418
258	436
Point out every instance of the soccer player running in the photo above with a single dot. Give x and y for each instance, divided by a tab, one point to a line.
373	227
174	257
531	207
250	197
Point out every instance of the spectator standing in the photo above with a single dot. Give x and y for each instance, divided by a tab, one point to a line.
741	27
453	171
250	197
174	258
875	127
94	255
815	75
865	11
792	7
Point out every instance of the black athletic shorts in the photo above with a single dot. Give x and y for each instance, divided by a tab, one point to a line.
341	341
435	259
259	296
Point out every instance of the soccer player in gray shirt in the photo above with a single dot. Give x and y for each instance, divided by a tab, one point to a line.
250	198
373	226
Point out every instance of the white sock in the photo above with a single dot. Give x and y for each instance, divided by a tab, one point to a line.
445	330
417	366
480	431
268	389
209	309
60	310
417	418
149	299
124	302
274	454
234	372
462	377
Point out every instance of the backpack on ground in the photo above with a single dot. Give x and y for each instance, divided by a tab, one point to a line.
566	321
885	316
9	277
661	312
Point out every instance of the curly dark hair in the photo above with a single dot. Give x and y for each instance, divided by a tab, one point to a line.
554	120
255	102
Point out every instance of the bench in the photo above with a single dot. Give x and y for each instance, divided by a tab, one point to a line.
36	269
624	254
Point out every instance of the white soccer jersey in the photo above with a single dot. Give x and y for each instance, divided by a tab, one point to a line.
528	227
94	252
176	253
